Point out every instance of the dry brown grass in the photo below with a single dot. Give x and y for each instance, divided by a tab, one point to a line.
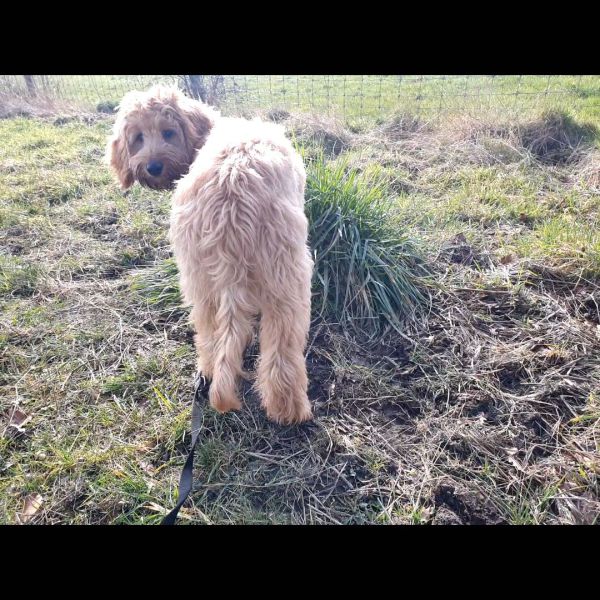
41	106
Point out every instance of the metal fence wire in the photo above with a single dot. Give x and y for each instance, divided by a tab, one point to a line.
346	96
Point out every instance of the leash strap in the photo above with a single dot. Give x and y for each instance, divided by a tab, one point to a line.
187	474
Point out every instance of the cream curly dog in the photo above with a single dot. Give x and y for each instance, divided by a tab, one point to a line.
239	235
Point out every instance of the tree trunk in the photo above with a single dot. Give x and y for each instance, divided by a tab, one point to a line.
195	86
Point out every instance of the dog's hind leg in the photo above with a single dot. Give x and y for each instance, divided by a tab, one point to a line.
234	329
282	379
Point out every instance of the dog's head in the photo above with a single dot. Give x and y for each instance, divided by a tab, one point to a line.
156	136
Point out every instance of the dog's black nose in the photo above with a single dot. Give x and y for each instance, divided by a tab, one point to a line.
154	168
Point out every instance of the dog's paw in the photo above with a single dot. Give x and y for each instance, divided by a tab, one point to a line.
223	403
288	412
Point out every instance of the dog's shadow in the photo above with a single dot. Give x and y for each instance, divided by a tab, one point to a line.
251	399
251	426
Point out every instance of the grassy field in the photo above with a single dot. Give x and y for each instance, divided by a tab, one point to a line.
481	406
349	96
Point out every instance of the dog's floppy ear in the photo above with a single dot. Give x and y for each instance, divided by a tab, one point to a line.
118	159
198	119
117	155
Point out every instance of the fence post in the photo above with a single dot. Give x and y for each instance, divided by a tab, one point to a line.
30	83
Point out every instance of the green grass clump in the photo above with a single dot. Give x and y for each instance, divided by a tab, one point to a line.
367	272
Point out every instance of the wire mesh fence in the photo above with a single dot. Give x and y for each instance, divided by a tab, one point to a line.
346	96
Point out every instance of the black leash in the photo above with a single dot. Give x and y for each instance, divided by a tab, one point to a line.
187	475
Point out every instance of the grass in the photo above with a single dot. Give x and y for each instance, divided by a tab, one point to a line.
159	285
366	272
17	278
483	408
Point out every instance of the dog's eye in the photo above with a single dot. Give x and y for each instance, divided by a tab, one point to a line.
168	134
139	137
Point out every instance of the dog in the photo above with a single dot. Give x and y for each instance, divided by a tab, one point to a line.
239	235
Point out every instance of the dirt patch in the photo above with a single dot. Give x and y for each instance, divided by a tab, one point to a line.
101	227
460	508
